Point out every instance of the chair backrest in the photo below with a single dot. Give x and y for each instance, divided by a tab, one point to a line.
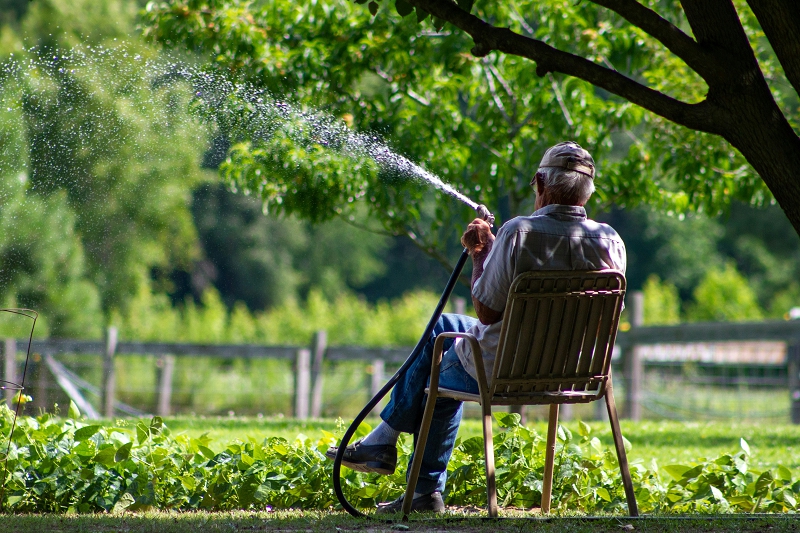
557	337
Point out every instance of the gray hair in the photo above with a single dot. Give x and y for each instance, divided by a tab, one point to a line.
567	186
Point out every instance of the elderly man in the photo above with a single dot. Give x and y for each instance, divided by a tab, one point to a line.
557	236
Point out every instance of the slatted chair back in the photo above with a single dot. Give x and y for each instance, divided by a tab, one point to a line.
557	337
555	347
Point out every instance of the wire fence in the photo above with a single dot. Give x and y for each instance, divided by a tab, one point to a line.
686	372
208	385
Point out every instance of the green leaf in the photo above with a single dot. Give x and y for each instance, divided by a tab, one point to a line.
603	494
261	493
789	498
73	412
123	452
718	495
105	456
85	449
677	471
438	23
373	8
763	483
85	432
584	430
784	474
745	446
156	425
142	432
507	420
403	8
125	501
208	453
740	464
745	502
596	445
421	15
361	2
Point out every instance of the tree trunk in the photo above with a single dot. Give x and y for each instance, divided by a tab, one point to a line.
752	122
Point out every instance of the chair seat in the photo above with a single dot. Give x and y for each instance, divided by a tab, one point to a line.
456	395
526	398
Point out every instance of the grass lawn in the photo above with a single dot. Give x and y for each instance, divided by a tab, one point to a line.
338	522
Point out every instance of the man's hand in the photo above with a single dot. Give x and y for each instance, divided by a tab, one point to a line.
477	237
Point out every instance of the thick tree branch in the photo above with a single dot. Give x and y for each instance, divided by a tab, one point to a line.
548	59
675	40
718	30
780	20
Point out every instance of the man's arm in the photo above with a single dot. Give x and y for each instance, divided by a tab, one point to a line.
478	239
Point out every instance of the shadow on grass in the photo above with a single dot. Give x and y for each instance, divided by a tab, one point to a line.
338	522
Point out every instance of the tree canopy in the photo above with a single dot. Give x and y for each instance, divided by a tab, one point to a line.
730	68
479	120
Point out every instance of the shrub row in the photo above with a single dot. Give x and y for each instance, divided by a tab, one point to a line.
64	465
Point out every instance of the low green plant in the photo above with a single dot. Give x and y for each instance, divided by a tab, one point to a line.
65	465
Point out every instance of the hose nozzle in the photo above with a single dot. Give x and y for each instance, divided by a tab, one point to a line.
484	214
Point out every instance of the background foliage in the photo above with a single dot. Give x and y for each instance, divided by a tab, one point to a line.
112	210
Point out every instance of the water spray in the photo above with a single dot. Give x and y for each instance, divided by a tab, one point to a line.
484	214
258	115
19	387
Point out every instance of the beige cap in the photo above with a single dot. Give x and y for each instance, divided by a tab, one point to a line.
571	156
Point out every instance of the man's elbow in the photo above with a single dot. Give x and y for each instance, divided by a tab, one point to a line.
486	314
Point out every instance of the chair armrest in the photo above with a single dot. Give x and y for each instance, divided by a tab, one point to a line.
477	356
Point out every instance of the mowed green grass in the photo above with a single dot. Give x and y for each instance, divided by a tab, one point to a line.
339	522
666	442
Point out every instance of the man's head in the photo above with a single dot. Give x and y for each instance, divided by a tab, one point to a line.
565	176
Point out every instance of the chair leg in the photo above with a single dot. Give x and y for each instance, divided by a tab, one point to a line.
549	458
419	450
488	445
627	482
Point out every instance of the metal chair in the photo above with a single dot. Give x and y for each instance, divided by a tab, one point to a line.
555	348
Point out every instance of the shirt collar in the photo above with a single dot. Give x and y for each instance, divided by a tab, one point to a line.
575	211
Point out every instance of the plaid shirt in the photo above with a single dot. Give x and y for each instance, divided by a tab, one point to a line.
555	237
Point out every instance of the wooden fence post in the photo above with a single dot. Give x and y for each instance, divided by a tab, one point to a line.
166	366
376	381
793	371
10	370
302	373
633	364
41	386
109	375
318	347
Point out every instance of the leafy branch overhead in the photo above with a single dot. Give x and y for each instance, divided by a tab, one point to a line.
733	87
481	123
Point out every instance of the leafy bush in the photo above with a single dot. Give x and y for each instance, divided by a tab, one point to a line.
662	304
724	295
66	465
348	320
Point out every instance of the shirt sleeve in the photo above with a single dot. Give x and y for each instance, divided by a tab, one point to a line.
491	289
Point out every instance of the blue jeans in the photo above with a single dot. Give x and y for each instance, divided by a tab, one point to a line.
407	404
